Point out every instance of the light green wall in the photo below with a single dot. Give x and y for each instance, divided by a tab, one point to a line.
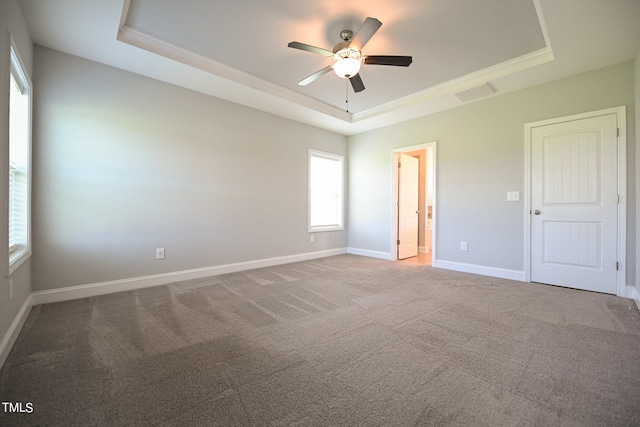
480	156
124	164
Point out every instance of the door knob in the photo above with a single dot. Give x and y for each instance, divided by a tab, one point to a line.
536	212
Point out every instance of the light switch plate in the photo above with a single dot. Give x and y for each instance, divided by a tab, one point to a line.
513	196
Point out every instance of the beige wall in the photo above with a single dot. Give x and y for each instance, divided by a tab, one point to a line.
11	22
480	157
124	164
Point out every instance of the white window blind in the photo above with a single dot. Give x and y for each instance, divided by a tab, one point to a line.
12	210
325	191
19	160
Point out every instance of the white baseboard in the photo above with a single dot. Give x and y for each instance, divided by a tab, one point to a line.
372	254
14	330
95	289
424	249
483	270
632	292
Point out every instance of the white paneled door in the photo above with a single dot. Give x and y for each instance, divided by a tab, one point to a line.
408	177
574	203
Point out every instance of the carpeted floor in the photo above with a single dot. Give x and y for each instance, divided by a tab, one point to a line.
344	340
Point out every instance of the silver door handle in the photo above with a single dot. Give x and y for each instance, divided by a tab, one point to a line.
536	212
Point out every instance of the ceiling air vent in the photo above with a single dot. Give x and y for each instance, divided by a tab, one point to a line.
476	92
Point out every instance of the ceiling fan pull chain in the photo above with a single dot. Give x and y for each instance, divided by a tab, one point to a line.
346	85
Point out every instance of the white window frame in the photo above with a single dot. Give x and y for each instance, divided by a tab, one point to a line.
21	251
340	196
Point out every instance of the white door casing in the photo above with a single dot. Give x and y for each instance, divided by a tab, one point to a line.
574	202
408	176
431	148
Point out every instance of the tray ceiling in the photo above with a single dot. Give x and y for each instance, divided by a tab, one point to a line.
237	50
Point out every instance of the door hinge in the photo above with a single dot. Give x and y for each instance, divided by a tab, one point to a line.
399	164
398	242
617	266
617	199
618	132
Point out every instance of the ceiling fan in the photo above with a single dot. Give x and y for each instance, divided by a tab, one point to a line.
347	55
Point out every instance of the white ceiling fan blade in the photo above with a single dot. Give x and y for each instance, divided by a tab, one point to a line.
309	48
313	77
366	31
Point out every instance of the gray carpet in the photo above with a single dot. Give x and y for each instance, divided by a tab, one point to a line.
338	341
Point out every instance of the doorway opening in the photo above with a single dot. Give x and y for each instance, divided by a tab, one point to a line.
414	226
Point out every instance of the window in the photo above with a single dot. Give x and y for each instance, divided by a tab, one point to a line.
325	191
19	161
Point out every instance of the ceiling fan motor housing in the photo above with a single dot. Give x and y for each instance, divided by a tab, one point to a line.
347	59
347	52
346	35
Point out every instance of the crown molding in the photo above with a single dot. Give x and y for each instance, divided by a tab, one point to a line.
465	82
293	99
154	45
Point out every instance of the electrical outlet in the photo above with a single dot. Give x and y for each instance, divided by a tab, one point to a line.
463	246
159	253
513	196
312	238
10	289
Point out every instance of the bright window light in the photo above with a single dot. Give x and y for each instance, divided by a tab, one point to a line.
325	191
19	162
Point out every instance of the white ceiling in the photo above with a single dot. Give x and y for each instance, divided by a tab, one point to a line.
237	49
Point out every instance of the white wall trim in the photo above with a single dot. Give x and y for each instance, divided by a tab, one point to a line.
155	45
371	254
394	195
523	62
633	294
95	289
184	56
483	270
102	288
14	330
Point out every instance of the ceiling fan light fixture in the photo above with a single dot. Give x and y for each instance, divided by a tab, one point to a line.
347	67
348	62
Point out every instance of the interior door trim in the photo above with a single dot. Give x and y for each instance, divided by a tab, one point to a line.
394	198
621	114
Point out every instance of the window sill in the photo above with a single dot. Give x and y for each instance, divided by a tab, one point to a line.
326	228
17	258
